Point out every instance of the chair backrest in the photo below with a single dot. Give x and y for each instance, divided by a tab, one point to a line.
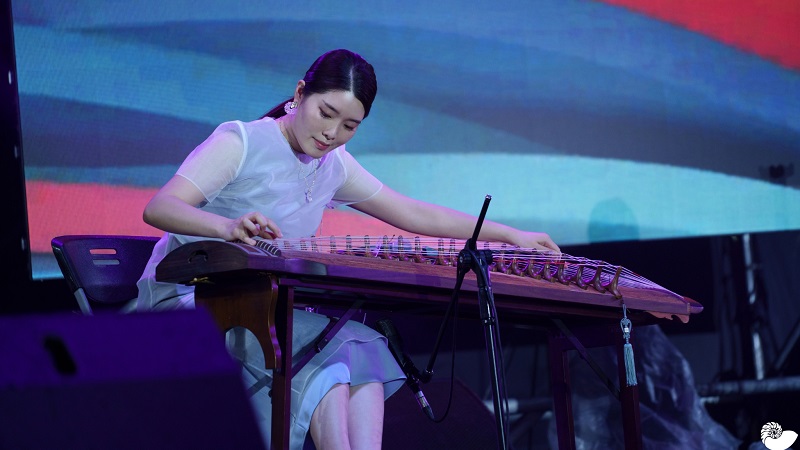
102	270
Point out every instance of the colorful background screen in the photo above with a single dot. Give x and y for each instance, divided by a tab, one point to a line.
595	121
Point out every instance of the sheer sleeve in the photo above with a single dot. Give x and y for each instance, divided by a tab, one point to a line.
217	161
359	185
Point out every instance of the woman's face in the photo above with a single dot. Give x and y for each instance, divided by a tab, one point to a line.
325	121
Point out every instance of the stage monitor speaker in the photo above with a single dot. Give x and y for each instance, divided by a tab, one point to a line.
469	425
134	381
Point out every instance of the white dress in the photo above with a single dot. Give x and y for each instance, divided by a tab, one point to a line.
265	175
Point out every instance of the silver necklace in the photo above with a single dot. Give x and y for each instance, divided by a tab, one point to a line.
304	176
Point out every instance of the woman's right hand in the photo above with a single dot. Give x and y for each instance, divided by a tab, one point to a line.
250	225
174	209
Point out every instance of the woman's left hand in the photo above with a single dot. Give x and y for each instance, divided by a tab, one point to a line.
537	240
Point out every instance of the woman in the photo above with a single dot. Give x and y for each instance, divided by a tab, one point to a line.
273	177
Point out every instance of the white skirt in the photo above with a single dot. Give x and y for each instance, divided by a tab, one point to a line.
356	355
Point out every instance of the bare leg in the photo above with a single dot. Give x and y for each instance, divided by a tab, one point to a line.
365	416
349	417
328	423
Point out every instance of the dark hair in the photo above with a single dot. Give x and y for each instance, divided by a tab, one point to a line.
338	70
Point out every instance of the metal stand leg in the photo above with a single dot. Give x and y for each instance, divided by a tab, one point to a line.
494	350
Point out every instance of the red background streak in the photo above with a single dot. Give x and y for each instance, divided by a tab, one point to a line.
112	204
768	28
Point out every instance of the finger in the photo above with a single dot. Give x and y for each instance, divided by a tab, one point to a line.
546	250
250	227
269	229
552	245
246	238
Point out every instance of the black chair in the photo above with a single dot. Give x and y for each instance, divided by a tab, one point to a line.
102	270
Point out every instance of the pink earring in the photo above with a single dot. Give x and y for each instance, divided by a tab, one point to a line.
290	108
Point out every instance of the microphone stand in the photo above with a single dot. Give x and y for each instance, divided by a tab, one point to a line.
470	258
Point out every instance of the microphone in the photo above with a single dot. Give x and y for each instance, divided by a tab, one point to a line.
387	328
